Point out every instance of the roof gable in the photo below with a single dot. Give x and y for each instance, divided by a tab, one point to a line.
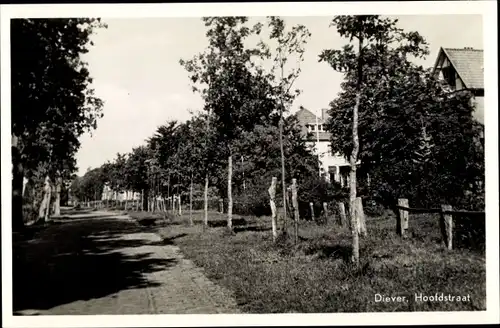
305	116
468	64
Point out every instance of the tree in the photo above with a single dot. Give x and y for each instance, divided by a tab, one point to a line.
192	156
136	169
52	103
261	152
90	186
289	44
374	35
406	119
235	89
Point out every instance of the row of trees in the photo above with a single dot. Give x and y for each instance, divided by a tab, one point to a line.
53	104
413	137
242	137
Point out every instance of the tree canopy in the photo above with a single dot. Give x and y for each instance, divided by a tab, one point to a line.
53	102
417	140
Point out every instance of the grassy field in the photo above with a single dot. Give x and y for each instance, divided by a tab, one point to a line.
315	276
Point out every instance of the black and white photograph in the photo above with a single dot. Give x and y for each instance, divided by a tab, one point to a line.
310	163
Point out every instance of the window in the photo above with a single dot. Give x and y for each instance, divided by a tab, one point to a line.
449	76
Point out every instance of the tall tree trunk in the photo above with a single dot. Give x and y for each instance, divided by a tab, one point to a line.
49	198
205	221
191	201
272	196
57	202
43	213
354	159
17	186
283	185
142	200
230	193
168	187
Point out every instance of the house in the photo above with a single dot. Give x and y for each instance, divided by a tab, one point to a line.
462	69
334	167
110	194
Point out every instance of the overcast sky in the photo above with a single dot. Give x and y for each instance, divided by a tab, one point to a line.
136	71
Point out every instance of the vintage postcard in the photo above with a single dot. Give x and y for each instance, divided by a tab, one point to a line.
249	164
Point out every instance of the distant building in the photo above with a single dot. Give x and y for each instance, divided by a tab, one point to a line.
463	69
334	167
109	194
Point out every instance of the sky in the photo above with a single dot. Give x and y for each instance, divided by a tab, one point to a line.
135	68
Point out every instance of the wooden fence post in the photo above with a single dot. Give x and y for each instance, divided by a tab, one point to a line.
361	216
447	225
403	214
343	217
325	211
295	204
311	206
272	196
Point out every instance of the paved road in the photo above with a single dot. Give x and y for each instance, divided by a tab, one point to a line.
99	263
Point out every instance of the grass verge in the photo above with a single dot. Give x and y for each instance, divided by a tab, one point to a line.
315	276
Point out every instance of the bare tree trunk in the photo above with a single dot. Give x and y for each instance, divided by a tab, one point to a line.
295	209
230	193
168	188
142	200
353	160
49	198
352	187
283	184
43	213
17	187
191	201
206	201
272	196
57	203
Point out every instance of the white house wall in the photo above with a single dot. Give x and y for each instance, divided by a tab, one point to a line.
109	194
478	113
329	163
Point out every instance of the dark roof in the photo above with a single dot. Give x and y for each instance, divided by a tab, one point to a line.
305	117
468	63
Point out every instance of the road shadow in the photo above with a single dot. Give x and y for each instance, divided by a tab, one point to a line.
81	260
252	228
223	222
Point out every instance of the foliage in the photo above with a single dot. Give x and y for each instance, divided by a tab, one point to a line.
234	88
416	140
90	186
137	168
260	161
52	101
